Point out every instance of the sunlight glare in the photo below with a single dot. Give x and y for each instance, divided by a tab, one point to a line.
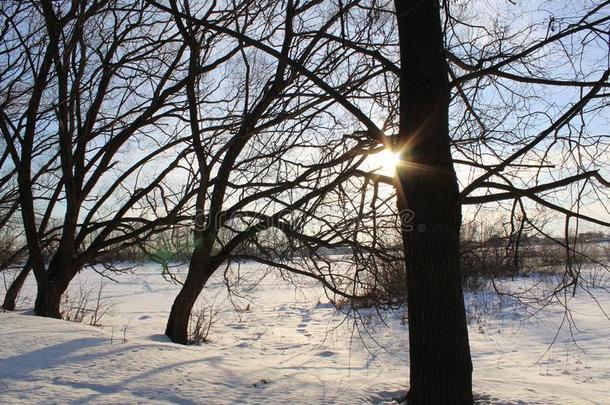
385	162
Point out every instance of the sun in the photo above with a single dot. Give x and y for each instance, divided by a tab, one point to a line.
385	162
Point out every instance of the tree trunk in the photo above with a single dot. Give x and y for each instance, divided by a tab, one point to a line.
52	286
48	299
10	299
179	316
440	364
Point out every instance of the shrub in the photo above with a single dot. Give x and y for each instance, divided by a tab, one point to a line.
88	305
201	322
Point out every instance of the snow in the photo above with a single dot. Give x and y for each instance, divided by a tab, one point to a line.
287	344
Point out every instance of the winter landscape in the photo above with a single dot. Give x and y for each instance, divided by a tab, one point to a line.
286	342
305	202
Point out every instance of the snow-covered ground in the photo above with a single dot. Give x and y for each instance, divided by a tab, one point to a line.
279	344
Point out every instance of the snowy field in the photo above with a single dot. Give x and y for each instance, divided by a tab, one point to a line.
281	344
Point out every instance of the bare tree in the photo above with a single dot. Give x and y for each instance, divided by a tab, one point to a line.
501	69
98	79
270	176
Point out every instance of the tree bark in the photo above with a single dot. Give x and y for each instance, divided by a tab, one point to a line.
440	363
179	316
52	286
10	299
48	299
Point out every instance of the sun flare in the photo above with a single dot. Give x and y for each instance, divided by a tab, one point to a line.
385	162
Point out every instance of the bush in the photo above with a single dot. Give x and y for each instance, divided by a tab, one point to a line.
200	324
382	284
88	305
479	266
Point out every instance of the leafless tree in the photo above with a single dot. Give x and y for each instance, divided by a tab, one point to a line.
89	84
266	182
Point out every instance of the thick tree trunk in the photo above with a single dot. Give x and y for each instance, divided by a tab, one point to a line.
440	364
10	299
178	321
48	299
52	286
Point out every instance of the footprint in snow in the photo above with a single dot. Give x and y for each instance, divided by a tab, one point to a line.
260	383
326	353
